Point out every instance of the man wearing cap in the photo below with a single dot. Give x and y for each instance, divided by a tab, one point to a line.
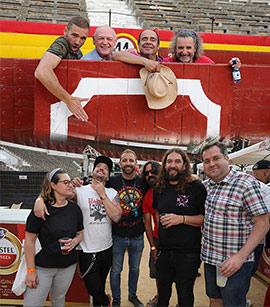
261	171
148	43
128	232
100	206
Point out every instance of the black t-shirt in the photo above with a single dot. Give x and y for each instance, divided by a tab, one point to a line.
129	224
180	237
62	222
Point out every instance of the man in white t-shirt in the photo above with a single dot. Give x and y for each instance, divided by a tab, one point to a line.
99	207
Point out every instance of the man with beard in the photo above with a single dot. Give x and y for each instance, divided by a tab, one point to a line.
99	207
179	201
128	232
187	47
105	41
64	47
148	43
149	178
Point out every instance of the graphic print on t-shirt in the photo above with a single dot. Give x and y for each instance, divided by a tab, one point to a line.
134	197
182	200
97	210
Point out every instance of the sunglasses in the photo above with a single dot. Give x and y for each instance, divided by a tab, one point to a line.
189	32
146	173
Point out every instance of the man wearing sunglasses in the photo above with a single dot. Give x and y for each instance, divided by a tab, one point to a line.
187	47
149	179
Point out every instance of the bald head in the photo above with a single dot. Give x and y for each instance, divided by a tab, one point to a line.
105	41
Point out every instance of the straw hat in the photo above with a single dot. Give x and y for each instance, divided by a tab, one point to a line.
160	88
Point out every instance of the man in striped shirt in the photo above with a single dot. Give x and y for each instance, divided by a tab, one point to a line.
235	222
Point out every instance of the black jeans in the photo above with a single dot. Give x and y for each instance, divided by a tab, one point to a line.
95	279
181	268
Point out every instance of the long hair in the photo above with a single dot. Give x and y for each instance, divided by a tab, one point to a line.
198	43
184	179
47	192
155	166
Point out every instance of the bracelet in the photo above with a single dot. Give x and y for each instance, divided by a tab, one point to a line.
183	219
31	271
103	197
153	248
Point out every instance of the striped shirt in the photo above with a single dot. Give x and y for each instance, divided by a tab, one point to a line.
229	208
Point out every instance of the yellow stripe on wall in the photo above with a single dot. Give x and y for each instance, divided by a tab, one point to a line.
33	46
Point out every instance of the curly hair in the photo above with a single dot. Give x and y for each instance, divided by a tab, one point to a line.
198	43
185	176
47	192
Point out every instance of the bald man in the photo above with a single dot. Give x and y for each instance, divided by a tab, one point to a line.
105	41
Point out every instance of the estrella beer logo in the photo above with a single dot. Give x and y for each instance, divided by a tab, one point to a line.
10	252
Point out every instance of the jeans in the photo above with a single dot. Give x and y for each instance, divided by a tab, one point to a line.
95	279
55	280
237	286
178	267
134	248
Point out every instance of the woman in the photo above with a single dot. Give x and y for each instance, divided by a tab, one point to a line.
50	270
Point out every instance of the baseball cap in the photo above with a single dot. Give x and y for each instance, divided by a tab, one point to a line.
262	164
106	160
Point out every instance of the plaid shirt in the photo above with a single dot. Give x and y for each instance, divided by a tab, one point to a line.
229	208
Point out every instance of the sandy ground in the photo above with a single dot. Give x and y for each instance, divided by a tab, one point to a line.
146	286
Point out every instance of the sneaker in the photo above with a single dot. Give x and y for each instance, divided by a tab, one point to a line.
135	301
110	300
249	303
153	302
115	303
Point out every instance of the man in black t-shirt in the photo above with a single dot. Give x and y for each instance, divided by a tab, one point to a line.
128	232
179	201
64	47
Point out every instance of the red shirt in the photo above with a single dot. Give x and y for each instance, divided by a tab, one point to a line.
202	59
148	208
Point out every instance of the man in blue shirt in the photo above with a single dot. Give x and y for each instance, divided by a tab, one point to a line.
105	41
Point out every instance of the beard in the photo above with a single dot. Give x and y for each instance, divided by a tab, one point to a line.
99	177
179	175
151	181
128	172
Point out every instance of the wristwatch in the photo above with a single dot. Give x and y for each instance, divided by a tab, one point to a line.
103	197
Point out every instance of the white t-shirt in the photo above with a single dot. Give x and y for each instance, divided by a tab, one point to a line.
97	234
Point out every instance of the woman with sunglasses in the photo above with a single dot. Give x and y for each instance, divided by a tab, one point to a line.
50	270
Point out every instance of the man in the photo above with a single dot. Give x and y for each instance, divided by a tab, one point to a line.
179	201
105	41
261	171
128	232
149	179
148	43
65	47
99	207
187	47
235	223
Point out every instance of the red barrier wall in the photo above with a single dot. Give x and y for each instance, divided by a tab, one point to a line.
245	107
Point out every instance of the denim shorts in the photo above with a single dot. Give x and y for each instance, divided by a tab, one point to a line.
237	286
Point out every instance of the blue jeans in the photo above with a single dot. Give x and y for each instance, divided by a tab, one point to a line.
237	286
134	247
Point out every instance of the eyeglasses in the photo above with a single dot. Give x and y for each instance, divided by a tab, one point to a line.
66	182
146	173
